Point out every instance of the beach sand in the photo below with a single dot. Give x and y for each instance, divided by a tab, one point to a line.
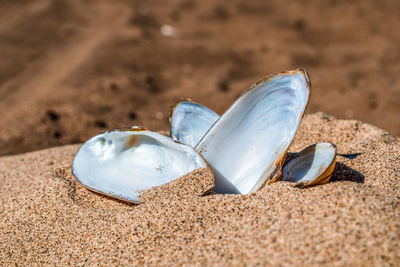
49	218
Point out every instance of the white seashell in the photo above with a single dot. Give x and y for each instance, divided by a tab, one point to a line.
313	165
190	121
124	162
247	145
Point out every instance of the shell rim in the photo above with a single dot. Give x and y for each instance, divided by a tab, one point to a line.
281	161
173	107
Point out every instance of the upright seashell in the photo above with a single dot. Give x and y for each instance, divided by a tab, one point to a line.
124	162
312	166
190	121
247	145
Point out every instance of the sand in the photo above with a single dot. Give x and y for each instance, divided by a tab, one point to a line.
49	218
70	69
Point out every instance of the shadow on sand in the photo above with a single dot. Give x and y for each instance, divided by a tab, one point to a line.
345	173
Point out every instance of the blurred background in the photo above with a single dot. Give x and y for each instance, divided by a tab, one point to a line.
71	69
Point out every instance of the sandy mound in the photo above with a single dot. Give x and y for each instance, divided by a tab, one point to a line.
49	218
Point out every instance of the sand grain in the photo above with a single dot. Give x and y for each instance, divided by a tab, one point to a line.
48	218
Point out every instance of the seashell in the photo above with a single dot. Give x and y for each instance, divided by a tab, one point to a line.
312	166
124	162
246	147
190	121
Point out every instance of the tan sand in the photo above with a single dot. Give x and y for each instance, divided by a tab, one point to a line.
48	218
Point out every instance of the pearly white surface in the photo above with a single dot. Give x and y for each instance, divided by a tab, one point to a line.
310	164
190	121
244	144
121	163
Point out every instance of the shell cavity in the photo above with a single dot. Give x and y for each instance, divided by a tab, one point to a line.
313	165
247	145
123	163
190	121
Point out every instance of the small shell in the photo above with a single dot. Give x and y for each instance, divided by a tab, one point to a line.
313	165
190	121
122	163
246	146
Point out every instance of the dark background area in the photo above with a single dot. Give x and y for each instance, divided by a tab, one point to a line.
71	69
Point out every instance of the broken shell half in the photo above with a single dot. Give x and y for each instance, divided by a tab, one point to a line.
190	121
122	163
246	146
312	166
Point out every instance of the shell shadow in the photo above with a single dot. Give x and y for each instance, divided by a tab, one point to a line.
345	173
350	156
